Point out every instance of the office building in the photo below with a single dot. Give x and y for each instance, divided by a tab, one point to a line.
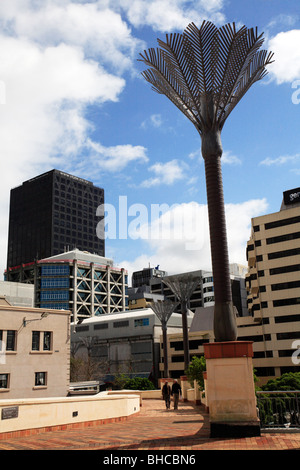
273	285
141	297
49	214
85	283
203	295
144	277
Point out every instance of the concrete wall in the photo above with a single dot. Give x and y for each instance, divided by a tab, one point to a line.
54	412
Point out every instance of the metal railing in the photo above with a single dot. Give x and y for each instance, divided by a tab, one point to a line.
279	409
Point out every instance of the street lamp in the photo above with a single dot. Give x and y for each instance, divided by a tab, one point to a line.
205	72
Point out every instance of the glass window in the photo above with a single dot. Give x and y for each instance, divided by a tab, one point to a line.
4	381
11	340
47	341
40	379
35	341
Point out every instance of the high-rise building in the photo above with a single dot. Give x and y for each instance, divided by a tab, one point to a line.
85	283
50	214
203	295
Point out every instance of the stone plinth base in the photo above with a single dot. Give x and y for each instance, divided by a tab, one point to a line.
246	429
230	389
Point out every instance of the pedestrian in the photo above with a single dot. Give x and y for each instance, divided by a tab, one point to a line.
176	391
166	393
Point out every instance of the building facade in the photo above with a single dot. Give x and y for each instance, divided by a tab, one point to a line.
84	283
122	343
50	213
34	352
143	277
273	285
203	295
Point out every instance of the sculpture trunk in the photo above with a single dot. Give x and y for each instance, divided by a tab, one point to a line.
224	316
165	345
185	333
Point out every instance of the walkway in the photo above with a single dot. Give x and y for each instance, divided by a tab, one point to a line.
154	428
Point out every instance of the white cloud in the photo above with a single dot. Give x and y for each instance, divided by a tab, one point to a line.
92	26
282	160
179	239
285	45
229	159
165	173
167	15
116	158
57	58
155	120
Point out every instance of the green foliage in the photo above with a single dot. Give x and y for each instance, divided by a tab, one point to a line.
120	380
195	371
138	383
288	381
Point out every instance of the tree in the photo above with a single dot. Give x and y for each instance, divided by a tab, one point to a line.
288	381
195	371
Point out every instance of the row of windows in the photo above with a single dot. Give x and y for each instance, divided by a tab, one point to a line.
118	324
267	337
41	341
40	380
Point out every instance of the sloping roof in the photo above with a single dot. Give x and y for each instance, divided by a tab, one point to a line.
203	319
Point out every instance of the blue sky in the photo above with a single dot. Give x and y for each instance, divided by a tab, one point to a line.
72	98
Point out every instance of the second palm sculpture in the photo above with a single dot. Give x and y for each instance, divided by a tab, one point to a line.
205	72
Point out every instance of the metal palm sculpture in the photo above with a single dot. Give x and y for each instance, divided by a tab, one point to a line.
163	310
183	287
205	72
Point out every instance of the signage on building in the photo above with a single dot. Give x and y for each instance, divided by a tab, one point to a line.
11	412
292	196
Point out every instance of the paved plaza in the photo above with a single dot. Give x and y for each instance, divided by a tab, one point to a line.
153	429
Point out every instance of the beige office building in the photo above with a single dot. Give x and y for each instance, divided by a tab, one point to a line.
273	285
34	352
273	298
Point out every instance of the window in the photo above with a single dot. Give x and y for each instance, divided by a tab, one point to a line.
285	269
40	379
35	341
11	340
4	381
141	322
282	223
283	254
286	302
286	285
120	324
47	341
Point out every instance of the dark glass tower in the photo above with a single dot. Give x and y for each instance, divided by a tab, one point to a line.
50	214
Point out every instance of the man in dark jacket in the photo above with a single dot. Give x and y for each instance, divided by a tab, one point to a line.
176	391
166	393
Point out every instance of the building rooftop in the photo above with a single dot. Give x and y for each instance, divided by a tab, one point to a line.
80	256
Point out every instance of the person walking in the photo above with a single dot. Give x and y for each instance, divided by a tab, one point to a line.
176	391
166	393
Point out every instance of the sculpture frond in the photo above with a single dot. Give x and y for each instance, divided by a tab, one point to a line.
206	71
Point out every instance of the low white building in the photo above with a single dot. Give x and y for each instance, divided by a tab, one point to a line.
126	342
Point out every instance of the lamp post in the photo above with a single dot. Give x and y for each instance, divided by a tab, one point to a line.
163	310
205	72
183	287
